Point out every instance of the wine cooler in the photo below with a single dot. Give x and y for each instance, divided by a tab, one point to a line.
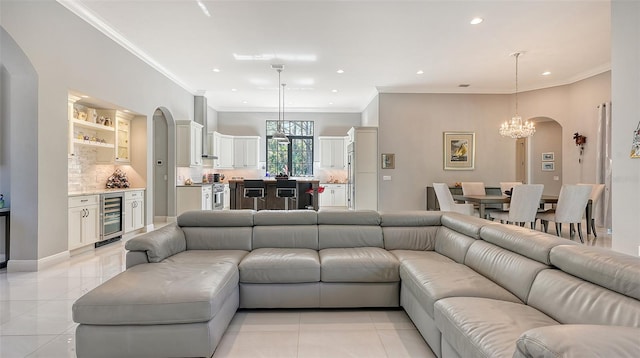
112	220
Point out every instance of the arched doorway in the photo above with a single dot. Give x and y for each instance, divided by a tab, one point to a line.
544	156
164	168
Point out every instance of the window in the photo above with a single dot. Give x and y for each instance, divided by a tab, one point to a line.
297	156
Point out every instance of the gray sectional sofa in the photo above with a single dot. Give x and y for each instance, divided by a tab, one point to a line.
472	287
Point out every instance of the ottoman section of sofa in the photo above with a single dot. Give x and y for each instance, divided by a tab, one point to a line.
358	264
159	293
280	265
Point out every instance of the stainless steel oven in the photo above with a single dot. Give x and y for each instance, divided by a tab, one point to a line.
218	196
111	217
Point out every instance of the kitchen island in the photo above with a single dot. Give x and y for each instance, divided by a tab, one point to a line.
270	201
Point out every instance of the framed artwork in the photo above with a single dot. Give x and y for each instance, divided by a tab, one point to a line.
548	166
548	157
459	150
388	161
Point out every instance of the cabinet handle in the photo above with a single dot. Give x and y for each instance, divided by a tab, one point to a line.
84	200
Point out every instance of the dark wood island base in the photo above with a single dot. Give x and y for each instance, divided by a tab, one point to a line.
304	199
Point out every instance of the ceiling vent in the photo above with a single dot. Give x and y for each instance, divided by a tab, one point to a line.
464	85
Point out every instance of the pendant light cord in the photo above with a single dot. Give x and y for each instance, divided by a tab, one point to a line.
279	101
517	55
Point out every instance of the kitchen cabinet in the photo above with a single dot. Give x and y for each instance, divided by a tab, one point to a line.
193	197
245	152
188	144
133	210
90	128
123	138
334	195
84	220
223	149
332	152
362	172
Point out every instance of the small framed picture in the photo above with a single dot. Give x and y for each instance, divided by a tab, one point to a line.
548	157
548	166
388	161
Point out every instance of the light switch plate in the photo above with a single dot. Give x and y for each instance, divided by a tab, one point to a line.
386	177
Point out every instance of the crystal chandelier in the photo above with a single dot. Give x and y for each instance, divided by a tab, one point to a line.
279	135
516	128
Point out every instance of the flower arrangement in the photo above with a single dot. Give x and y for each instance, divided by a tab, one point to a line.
580	141
118	180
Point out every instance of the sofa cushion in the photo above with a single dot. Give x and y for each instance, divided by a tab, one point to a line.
280	265
216	218
351	217
464	224
568	340
286	236
285	217
358	264
481	327
440	277
403	255
346	236
218	238
208	257
533	244
571	300
613	270
410	237
159	293
452	244
410	218
508	269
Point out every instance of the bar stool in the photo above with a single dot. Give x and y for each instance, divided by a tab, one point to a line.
286	189
254	188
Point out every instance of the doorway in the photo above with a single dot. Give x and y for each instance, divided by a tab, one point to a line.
521	160
164	174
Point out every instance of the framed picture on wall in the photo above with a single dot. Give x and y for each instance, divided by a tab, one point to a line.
459	150
388	161
548	166
548	157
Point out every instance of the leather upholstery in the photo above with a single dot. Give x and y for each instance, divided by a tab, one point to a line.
207	257
216	218
159	244
578	341
453	244
282	217
218	238
410	238
403	255
606	268
358	264
347	236
164	294
294	236
410	218
280	265
464	224
357	217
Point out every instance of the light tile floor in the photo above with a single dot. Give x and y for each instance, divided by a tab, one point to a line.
35	317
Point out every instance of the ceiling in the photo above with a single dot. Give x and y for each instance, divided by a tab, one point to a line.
380	46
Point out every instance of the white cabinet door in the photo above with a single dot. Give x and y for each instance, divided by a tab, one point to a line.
332	152
133	210
188	144
123	139
245	152
227	197
83	221
223	149
207	198
138	214
339	193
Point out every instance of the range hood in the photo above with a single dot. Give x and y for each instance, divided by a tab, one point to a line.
200	116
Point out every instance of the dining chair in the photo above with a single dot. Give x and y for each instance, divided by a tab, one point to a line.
596	193
571	205
525	200
476	188
445	199
507	185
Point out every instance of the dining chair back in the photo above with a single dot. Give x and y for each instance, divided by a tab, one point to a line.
473	188
525	201
596	193
507	185
571	206
446	202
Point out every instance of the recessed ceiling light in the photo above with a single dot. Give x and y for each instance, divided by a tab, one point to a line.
245	102
419	72
334	90
476	20
216	70
546	73
234	90
340	71
204	9
84	96
330	102
127	111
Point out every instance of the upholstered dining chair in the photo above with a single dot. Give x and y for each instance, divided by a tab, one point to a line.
571	205
476	188
507	185
525	200
445	199
596	193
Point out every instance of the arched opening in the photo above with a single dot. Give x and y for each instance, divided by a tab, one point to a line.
545	155
164	172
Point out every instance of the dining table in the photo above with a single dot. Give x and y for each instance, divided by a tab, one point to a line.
484	200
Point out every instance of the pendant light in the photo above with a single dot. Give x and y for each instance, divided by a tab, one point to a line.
515	128
279	135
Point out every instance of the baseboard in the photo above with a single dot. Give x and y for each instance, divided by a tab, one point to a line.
36	265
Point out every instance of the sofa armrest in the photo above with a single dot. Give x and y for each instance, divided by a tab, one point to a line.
573	340
159	244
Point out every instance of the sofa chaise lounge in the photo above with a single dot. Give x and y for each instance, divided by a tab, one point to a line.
472	287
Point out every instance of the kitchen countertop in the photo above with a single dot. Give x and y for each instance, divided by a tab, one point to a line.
102	191
273	180
194	184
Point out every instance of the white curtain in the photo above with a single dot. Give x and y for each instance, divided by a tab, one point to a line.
602	211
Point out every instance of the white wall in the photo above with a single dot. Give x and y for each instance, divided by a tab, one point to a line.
68	54
547	139
412	126
625	67
371	114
